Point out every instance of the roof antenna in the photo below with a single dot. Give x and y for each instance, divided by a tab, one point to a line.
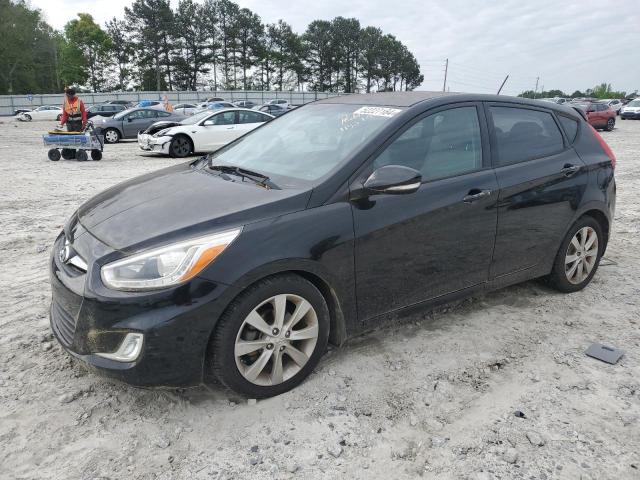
503	82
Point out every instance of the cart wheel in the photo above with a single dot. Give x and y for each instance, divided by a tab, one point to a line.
81	156
54	155
68	153
96	155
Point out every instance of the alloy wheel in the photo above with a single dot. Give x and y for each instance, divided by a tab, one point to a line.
610	123
276	340
581	256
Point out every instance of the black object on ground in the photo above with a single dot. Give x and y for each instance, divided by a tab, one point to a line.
519	414
606	354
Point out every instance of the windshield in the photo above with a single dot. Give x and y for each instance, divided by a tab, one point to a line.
308	142
634	103
196	118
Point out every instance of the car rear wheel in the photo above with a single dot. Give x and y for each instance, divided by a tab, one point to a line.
611	123
180	147
579	256
111	135
271	337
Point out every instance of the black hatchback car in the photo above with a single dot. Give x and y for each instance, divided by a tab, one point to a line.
242	265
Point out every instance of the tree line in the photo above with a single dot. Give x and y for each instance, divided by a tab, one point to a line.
215	44
604	90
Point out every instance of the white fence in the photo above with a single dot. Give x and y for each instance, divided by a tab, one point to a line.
9	103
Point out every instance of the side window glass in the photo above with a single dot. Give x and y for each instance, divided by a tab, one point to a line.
160	113
251	117
523	134
570	127
441	145
225	118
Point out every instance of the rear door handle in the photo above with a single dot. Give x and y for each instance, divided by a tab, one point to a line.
568	170
475	194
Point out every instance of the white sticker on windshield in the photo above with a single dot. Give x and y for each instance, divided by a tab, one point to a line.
377	111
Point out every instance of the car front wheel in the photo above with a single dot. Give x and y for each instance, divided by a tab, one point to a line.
180	147
579	256
271	337
111	135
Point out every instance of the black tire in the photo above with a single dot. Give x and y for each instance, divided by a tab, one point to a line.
221	360
111	135
81	156
558	277
59	117
611	123
27	117
96	155
53	154
68	153
180	146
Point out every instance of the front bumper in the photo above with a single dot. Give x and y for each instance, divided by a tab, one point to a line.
87	318
630	115
149	143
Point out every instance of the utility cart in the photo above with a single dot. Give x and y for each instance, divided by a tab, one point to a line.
74	145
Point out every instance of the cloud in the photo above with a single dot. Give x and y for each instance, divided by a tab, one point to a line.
568	45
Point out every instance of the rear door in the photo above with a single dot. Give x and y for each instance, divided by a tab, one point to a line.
138	120
541	181
414	247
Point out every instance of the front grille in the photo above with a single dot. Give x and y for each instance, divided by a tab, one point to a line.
63	324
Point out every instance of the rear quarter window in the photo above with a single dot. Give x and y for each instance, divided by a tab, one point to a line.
522	134
570	127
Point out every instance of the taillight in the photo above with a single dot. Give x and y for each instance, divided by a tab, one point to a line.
607	150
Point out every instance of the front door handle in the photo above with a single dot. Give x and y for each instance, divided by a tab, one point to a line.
475	194
230	128
568	170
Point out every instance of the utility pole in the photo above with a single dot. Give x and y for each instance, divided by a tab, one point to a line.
535	92
446	69
503	82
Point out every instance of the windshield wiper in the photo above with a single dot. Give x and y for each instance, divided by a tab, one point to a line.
256	177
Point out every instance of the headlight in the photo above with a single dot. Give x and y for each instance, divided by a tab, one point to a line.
168	265
161	132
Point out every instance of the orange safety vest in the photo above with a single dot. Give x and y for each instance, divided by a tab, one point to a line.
72	109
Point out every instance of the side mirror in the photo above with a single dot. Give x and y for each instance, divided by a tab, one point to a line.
393	180
208	123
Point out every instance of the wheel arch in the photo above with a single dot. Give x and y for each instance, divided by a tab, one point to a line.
188	137
337	317
603	220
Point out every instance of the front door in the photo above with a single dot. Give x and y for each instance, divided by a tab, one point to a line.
414	247
218	130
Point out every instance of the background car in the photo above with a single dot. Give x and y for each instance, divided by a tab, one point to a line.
614	104
245	104
128	123
46	112
204	132
104	110
599	115
278	101
272	109
126	103
186	109
631	110
215	105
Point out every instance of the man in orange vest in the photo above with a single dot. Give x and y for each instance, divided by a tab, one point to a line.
73	112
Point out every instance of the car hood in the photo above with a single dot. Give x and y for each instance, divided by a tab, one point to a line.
156	127
179	202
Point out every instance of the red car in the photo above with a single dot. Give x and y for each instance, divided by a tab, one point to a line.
599	115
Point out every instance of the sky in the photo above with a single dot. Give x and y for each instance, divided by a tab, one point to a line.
568	45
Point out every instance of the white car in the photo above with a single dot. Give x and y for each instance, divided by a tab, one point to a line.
281	102
46	112
203	132
186	109
614	104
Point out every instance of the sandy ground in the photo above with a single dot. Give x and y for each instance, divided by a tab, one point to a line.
431	397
